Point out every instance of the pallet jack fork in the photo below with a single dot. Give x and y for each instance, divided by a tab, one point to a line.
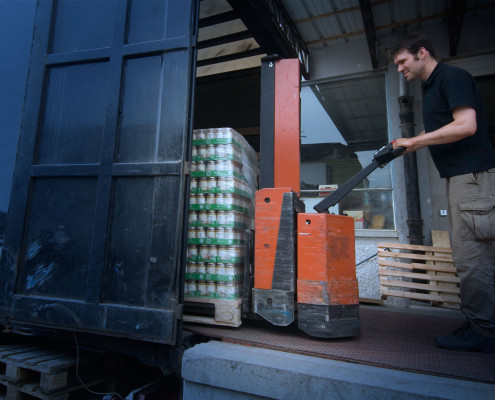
303	262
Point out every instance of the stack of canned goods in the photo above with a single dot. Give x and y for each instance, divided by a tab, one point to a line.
223	183
212	289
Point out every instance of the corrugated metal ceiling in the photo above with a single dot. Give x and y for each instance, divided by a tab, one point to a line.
323	23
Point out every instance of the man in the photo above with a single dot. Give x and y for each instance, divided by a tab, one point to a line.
456	134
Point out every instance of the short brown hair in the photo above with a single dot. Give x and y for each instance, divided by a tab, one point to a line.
412	43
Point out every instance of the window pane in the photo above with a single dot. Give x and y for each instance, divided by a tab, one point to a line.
343	124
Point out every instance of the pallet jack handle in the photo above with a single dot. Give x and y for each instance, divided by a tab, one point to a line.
381	158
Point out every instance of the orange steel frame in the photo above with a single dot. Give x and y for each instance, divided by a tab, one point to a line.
323	249
287	124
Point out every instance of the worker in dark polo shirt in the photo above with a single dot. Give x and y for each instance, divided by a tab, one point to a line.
456	134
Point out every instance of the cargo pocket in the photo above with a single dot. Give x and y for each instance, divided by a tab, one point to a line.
479	217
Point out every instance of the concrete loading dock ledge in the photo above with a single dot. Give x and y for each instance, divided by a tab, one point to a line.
219	370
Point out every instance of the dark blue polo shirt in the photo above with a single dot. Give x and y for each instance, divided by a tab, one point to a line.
447	88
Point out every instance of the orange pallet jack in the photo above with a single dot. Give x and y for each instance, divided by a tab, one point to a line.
304	263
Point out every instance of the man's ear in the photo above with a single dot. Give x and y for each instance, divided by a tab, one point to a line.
421	54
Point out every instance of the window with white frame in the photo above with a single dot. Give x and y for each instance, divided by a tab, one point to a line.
343	123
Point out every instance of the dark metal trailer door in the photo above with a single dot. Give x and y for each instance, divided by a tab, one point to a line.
95	235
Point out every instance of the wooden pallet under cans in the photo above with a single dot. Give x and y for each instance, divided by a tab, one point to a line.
227	312
416	272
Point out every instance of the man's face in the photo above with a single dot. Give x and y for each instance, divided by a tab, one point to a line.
409	65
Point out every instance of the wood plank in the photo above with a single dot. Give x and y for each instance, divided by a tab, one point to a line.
23	357
411	256
417	286
441	238
413	295
22	349
412	275
412	266
227	312
444	249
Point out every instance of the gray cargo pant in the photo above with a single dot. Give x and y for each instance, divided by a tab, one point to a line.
472	217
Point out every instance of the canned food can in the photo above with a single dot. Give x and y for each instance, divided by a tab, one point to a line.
219	233
229	218
211	268
225	133
229	234
191	267
193	184
200	166
219	199
194	151
203	217
211	183
190	287
200	233
210	198
212	252
223	253
210	151
229	183
202	288
192	251
221	289
192	218
210	166
203	184
211	288
220	151
201	268
200	199
228	198
191	233
229	150
193	199
220	269
210	233
228	165
203	252
222	183
211	217
210	134
231	289
229	269
200	134
221	217
202	151
221	166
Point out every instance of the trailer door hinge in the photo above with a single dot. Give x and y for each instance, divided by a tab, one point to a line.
179	311
187	168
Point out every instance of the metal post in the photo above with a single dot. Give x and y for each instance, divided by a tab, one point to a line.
414	221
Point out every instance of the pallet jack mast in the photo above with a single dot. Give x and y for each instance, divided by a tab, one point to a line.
303	262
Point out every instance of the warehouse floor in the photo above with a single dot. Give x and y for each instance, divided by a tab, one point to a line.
394	338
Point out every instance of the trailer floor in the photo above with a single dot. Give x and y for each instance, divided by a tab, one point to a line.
400	339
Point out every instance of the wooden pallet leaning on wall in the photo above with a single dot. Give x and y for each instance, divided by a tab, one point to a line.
416	272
